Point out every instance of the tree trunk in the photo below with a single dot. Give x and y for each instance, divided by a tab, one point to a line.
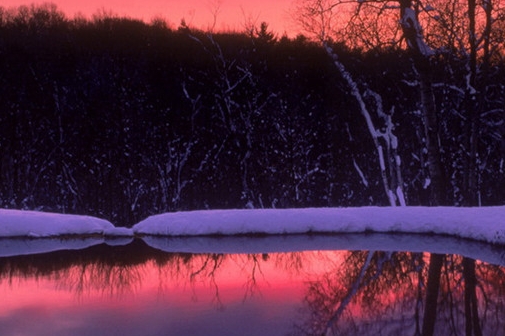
432	288
412	33
471	193
472	324
430	118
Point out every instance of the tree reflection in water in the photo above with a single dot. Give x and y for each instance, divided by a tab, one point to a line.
344	292
109	280
378	293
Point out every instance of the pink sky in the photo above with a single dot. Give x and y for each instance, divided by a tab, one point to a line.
232	14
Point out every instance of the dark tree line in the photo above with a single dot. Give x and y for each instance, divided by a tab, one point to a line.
121	119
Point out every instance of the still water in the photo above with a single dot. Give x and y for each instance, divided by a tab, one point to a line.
299	285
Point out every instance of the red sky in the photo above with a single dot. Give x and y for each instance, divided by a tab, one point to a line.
232	14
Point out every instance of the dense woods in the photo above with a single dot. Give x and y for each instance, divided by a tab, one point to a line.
121	119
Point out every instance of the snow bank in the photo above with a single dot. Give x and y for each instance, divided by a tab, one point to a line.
19	223
483	223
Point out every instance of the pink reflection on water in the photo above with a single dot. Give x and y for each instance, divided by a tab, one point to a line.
206	293
357	292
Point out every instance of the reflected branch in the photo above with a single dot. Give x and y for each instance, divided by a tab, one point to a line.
251	283
209	267
110	280
351	293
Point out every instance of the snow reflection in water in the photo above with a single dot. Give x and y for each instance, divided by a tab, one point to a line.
288	285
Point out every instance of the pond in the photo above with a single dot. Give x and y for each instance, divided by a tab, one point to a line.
367	284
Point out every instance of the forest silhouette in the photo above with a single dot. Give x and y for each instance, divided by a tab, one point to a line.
122	119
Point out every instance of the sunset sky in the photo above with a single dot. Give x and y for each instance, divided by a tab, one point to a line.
233	14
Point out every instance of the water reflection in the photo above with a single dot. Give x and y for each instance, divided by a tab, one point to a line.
141	290
374	293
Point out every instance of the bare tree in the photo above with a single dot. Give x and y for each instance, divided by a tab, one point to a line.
467	33
318	17
215	8
422	53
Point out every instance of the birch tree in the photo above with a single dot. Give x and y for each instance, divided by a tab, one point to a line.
319	18
457	31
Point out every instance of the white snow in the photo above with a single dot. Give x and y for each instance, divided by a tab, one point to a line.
409	20
360	173
485	224
21	223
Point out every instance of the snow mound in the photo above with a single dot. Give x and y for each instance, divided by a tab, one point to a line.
20	223
483	223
